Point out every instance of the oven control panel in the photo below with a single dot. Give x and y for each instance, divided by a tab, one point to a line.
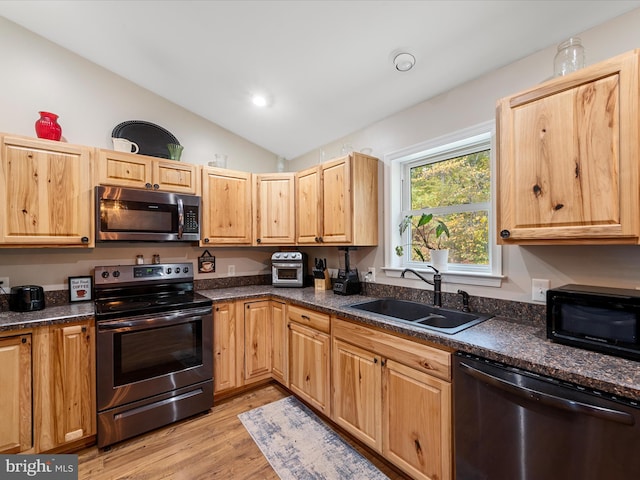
286	256
115	274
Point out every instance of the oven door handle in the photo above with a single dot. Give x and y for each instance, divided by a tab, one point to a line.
151	321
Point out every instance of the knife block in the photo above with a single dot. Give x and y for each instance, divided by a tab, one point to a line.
323	283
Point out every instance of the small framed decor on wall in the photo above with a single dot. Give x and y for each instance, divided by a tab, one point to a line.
80	289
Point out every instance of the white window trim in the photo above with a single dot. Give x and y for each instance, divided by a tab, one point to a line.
393	164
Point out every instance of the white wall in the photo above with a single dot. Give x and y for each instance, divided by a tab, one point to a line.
50	267
38	75
472	104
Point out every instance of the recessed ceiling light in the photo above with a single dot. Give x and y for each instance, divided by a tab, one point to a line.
404	62
259	100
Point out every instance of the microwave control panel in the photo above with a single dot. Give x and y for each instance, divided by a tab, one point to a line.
191	220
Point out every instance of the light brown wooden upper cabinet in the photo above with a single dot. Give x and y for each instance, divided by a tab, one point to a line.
226	207
337	201
46	194
123	169
274	209
568	158
308	206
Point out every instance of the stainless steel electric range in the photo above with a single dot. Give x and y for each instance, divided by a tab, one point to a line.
154	350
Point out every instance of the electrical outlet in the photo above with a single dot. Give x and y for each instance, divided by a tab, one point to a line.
231	270
539	289
371	274
4	284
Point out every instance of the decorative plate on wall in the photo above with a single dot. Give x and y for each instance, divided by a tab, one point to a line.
151	139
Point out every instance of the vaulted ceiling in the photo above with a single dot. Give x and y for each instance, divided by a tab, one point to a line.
325	67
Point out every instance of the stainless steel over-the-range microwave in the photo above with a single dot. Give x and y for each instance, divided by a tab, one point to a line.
603	319
128	214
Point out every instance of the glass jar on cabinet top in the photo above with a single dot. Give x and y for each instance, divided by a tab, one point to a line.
570	57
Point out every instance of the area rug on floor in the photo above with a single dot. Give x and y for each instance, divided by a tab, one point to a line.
298	445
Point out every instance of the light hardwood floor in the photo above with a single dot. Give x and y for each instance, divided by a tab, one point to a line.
211	445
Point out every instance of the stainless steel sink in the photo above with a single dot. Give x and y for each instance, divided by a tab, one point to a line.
430	317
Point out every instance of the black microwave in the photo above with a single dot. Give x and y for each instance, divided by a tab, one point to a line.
127	214
603	319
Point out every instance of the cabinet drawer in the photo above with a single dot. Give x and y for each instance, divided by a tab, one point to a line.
303	316
416	355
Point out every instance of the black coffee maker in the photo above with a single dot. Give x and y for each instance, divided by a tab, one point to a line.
348	281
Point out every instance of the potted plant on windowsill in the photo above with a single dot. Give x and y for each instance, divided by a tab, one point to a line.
427	234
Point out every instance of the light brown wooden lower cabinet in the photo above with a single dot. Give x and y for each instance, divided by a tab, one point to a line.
47	400
279	358
392	393
310	356
257	340
417	422
15	393
225	347
74	403
357	392
243	347
254	340
385	393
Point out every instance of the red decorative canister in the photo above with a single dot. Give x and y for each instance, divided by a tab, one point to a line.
47	126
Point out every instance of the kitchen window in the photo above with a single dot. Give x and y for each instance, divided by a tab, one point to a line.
452	179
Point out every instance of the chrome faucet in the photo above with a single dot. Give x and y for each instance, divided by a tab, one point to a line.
437	283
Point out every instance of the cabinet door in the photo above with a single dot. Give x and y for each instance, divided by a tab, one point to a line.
336	201
567	169
257	340
357	392
124	169
174	176
417	422
15	394
309	365
225	335
308	206
274	202
73	377
279	358
226	207
45	193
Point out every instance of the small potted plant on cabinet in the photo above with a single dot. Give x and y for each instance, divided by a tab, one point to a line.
427	234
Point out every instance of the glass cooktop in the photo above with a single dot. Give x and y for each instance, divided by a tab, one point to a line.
148	304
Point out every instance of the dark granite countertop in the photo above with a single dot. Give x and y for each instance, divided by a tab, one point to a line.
502	339
517	343
50	315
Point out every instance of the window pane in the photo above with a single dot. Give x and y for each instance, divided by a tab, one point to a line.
468	243
461	180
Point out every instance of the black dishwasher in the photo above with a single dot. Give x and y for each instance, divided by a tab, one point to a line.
511	424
